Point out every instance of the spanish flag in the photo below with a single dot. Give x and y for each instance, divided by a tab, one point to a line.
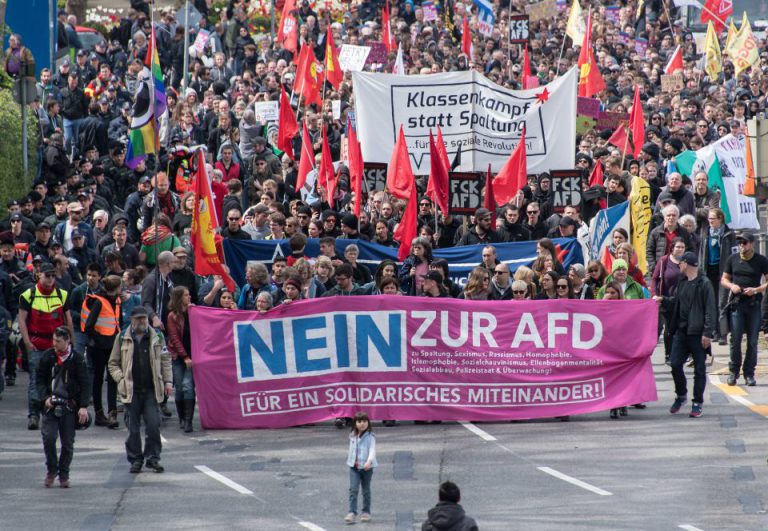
333	73
208	261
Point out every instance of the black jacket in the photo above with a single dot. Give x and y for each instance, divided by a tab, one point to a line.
702	315
74	104
514	232
76	377
448	516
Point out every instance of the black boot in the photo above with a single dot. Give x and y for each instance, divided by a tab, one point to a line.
189	413
180	413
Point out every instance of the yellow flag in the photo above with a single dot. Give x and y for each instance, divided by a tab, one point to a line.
729	39
713	64
640	214
576	27
743	49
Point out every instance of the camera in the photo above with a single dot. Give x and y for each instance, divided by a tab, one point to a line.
60	406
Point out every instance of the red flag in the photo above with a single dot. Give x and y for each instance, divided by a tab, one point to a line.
306	160
636	124
466	39
529	81
386	29
620	139
590	80
288	32
399	173
514	175
355	166
407	228
717	11
288	127
675	62
333	73
596	177
326	177
437	187
489	201
307	80
204	222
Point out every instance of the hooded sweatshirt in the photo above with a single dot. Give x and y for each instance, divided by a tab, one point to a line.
448	516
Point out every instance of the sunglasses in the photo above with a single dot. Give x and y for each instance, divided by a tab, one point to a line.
49	275
500	272
562	286
233	219
533	212
425	204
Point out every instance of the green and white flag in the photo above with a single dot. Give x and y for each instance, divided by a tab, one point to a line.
724	162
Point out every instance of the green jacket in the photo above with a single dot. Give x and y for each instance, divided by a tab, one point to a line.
634	291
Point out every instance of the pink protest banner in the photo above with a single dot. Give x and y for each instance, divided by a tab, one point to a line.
420	359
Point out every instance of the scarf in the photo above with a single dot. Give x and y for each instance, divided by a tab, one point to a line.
746	255
61	357
43	290
161	232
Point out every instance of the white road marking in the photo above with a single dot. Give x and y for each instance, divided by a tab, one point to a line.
224	479
163	439
689	527
484	435
311	526
574	481
741	400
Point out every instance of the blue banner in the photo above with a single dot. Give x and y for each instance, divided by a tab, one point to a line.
461	259
602	226
486	17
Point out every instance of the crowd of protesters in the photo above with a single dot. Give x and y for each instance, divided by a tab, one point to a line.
114	238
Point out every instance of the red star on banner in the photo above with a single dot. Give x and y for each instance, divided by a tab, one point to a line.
542	96
561	253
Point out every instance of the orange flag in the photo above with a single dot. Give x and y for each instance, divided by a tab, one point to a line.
399	173
306	160
355	166
333	73
590	80
204	223
288	127
749	185
514	175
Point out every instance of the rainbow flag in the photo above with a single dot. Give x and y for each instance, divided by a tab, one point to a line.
152	61
142	138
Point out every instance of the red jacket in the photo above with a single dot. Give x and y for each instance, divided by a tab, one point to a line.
175	336
232	173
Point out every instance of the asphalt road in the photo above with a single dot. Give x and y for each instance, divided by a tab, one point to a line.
648	471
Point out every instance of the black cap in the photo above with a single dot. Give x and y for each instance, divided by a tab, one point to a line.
60	199
139	311
38	258
43	226
15	217
745	236
482	212
350	220
690	258
144	179
12	203
34	195
566	221
77	234
82	52
47	267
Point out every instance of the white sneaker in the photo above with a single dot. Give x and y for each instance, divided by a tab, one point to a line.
365	517
350	518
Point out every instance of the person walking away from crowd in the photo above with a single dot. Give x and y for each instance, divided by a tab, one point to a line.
100	321
692	315
141	366
744	275
180	348
448	513
62	384
361	460
42	309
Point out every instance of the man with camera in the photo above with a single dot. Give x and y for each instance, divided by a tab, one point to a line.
141	366
62	385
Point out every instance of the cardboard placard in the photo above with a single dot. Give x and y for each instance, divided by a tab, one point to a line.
464	192
375	176
672	82
543	10
266	111
352	58
518	29
430	11
565	188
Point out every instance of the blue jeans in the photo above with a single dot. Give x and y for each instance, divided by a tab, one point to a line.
745	319
357	477
183	384
682	345
143	406
33	400
71	133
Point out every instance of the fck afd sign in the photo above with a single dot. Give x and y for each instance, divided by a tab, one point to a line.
465	192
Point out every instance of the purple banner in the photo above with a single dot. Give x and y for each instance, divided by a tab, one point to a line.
641	46
412	358
587	107
612	14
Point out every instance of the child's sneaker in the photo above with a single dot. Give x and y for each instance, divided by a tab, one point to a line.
695	410
350	518
365	517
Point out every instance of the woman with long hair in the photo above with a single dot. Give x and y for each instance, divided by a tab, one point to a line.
527	275
478	286
182	220
548	286
564	288
180	347
311	288
416	266
545	246
664	281
596	274
324	271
